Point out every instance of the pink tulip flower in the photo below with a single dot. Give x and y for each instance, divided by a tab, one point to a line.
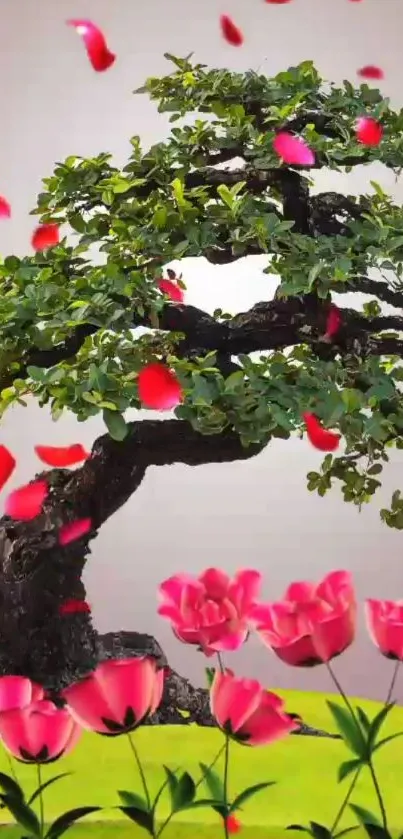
38	733
18	692
117	697
211	610
312	624
250	714
385	626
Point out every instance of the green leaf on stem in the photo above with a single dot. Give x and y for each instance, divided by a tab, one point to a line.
219	806
248	793
23	814
65	821
184	793
132	799
376	832
364	816
43	786
386	740
11	787
160	791
345	831
377	723
213	782
298	827
172	781
349	729
364	720
345	769
210	673
319	831
145	820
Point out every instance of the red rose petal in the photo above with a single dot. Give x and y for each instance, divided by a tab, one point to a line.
45	236
369	131
26	502
74	607
159	388
74	530
100	56
333	322
230	31
371	71
233	824
321	438
293	149
7	465
61	456
5	209
171	289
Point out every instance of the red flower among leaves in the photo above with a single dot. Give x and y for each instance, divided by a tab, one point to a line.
45	236
5	209
371	71
7	465
171	289
74	530
159	388
62	456
321	438
333	322
293	149
230	31
100	56
233	824
369	131
74	607
26	502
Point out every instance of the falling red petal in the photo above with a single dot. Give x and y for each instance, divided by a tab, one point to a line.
100	56
293	149
7	465
26	502
278	2
171	289
61	456
230	31
371	71
369	131
159	388
233	824
5	208
333	322
74	607
45	236
74	530
321	438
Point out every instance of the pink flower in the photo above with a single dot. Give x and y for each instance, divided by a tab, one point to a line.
312	624
16	692
211	610
243	708
117	696
38	733
293	150
385	626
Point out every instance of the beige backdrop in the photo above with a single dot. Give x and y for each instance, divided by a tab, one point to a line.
258	513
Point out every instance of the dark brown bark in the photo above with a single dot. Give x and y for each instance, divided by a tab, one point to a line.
37	575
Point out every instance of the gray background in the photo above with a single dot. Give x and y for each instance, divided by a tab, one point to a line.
255	514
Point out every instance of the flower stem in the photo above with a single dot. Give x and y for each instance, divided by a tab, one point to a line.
368	761
40	796
220	663
141	771
226	764
11	765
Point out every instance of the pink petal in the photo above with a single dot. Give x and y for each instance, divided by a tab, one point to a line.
335	585
385	628
332	636
230	641
230	32
5	209
45	236
300	592
26	502
15	692
74	607
244	589
266	725
100	56
158	388
215	582
74	530
369	131
371	71
62	456
7	465
293	150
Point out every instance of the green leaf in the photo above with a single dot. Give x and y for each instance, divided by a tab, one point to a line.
115	424
172	781
248	793
348	728
210	673
46	784
65	821
377	723
386	740
319	831
132	799
376	832
36	374
345	769
184	793
160	791
23	814
11	787
138	816
364	816
213	782
226	195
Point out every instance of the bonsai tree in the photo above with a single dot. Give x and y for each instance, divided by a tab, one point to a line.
68	320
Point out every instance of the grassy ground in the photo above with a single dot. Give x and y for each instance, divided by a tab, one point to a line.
303	767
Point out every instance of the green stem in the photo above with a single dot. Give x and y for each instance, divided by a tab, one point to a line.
226	764
40	796
200	781
141	771
345	801
368	761
11	765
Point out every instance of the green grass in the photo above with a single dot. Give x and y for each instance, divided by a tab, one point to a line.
303	767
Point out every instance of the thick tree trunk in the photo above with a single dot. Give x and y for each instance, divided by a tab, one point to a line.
37	575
